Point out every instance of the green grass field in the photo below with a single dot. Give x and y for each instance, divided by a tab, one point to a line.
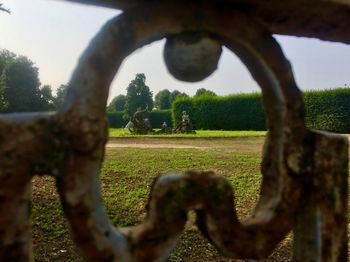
127	174
120	132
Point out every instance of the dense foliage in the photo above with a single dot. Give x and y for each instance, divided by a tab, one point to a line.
326	110
20	87
182	104
116	120
175	95
237	112
60	95
165	98
157	117
138	96
117	104
162	99
204	92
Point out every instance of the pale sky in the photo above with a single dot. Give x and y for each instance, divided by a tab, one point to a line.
53	35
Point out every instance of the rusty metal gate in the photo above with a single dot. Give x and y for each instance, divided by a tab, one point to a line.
305	172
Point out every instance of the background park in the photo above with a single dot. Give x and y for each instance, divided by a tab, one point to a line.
230	132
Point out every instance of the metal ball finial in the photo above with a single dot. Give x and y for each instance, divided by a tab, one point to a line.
191	56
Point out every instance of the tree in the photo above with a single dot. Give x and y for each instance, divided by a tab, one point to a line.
162	99
6	57
3	102
20	84
60	96
47	99
117	104
138	96
175	94
204	92
20	89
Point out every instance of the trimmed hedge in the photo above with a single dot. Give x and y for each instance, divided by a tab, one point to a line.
326	110
116	120
236	112
182	104
156	117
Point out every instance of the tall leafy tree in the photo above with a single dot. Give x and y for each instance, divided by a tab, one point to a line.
20	89
20	83
117	104
138	96
3	102
60	96
162	99
47	99
175	94
6	57
204	92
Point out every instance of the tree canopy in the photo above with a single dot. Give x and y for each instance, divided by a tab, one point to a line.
48	100
165	98
175	94
138	96
162	99
60	95
20	89
204	92
117	104
20	84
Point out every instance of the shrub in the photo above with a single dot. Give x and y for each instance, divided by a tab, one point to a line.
328	109
116	120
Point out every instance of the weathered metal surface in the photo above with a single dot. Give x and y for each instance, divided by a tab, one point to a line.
304	172
323	19
321	229
191	57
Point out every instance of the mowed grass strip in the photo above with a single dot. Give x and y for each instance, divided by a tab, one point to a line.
126	176
122	132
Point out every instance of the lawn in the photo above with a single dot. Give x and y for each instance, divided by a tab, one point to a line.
128	170
121	132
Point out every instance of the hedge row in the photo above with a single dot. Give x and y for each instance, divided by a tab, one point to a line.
116	120
326	110
237	112
156	118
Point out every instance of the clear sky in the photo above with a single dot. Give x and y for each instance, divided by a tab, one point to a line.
53	34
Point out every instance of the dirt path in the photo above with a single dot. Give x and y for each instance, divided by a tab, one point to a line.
239	144
234	144
141	145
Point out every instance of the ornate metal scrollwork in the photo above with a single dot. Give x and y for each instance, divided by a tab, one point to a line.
304	172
